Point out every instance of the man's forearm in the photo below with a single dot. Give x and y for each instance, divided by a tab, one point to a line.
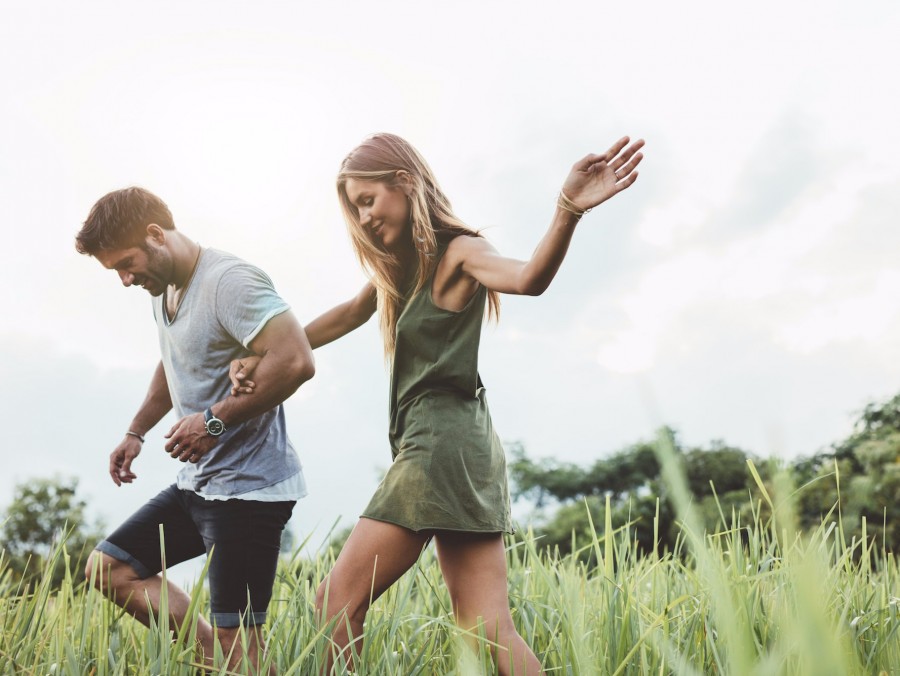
156	404
286	362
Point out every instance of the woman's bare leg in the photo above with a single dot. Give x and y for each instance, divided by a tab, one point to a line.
374	557
474	568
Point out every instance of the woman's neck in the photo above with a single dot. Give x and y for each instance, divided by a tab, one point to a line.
407	256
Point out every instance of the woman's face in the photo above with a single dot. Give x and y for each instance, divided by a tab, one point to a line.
383	211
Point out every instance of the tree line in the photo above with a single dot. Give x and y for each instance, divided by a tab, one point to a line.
854	478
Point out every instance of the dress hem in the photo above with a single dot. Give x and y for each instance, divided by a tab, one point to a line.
510	531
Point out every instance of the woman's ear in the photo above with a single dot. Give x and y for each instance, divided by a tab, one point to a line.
404	181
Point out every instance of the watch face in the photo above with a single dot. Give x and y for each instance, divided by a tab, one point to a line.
215	426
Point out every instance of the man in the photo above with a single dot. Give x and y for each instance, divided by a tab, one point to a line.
241	476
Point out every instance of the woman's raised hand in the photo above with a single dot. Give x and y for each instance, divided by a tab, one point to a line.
596	178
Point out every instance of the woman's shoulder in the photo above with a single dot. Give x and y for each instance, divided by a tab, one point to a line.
462	246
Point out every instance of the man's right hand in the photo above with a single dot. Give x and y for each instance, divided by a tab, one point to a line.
120	460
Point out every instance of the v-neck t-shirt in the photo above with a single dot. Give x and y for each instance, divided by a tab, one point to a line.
227	304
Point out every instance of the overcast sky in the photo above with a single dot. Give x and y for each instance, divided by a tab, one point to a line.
746	288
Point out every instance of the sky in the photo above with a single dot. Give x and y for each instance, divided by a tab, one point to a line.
746	288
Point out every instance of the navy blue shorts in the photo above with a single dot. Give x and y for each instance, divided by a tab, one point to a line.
246	535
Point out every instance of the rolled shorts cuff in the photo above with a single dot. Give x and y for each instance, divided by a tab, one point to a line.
121	555
231	620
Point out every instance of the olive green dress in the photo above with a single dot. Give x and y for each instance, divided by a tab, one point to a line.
449	470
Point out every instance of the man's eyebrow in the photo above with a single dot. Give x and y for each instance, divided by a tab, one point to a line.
125	262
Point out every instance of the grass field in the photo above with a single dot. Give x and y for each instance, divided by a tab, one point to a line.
754	598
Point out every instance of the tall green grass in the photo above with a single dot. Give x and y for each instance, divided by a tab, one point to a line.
755	597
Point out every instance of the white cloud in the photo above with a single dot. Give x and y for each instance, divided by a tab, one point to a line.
870	317
628	352
770	270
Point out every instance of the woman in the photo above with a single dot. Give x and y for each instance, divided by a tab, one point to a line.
431	278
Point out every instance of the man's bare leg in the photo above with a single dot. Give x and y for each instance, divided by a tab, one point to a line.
121	583
231	642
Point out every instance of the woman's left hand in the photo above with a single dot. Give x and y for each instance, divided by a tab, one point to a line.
596	178
240	371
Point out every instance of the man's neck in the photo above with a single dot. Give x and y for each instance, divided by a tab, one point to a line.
186	256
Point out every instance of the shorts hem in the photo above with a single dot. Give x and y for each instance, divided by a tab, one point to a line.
120	554
456	529
233	620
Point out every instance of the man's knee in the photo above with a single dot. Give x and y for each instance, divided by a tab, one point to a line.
107	572
227	637
93	569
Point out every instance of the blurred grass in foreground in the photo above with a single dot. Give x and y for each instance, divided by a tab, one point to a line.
753	598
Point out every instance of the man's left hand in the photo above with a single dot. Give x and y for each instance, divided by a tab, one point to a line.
188	439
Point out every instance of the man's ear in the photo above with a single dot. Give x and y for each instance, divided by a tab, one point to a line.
156	234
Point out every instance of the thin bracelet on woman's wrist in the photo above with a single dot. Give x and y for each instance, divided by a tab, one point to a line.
564	203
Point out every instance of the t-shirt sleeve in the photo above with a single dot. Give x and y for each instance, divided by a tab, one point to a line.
245	301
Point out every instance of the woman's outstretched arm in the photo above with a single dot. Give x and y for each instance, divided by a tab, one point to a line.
342	319
592	181
326	328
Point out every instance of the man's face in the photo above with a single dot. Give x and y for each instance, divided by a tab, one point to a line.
148	266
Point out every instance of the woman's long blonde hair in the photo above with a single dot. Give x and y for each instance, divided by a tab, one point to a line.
432	224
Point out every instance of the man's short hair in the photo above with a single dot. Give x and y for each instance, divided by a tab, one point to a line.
119	220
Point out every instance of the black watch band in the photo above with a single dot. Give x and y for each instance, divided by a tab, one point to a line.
214	426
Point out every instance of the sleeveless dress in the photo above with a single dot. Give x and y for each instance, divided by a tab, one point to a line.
449	469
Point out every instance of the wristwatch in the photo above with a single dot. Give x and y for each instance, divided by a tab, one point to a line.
214	426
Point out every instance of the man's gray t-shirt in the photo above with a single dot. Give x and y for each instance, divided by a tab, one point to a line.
226	304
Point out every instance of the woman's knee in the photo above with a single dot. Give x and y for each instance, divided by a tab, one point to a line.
331	601
495	623
321	596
